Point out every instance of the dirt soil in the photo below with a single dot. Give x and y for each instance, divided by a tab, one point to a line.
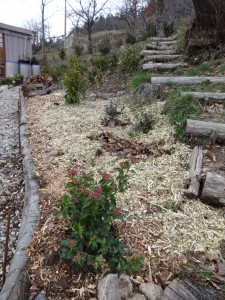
172	232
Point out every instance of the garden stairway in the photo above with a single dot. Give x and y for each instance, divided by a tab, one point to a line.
208	185
161	55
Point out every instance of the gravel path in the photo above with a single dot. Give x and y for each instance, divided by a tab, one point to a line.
11	177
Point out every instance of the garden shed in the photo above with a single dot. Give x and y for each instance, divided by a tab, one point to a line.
15	50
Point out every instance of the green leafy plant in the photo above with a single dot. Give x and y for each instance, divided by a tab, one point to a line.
112	110
78	48
90	208
145	122
129	58
13	80
62	54
130	38
105	46
200	70
179	108
75	81
101	62
95	75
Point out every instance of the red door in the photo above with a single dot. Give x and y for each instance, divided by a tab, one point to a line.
2	56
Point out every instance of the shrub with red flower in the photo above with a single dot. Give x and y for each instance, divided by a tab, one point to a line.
88	219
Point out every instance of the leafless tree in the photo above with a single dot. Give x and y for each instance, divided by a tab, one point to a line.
44	3
132	12
87	12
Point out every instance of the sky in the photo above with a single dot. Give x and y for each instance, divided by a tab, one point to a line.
18	12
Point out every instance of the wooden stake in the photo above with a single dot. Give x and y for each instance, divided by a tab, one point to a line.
6	245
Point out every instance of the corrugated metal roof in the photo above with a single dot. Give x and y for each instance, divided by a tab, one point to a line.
15	29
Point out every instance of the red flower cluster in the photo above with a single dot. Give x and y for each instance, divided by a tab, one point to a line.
72	244
106	176
96	194
85	191
116	212
72	172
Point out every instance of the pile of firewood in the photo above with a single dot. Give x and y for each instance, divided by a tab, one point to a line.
46	80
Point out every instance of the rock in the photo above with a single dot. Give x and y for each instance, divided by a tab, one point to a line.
111	287
146	91
40	297
137	297
151	290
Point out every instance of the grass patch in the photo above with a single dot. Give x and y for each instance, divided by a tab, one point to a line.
179	108
200	70
139	78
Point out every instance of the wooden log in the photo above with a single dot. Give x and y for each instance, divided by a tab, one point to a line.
187	80
195	170
155	52
206	98
163	66
169	43
161	58
158	47
164	39
213	191
205	129
188	289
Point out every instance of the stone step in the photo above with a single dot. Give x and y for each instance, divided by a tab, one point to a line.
161	58
158	52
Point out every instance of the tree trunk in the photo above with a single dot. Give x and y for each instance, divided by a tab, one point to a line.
43	33
213	190
160	18
208	29
90	46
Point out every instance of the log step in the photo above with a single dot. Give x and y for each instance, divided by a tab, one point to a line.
205	98
163	66
156	52
213	191
164	43
159	47
213	131
187	80
164	39
161	58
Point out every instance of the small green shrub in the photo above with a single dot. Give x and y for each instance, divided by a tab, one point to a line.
113	60
95	75
145	122
90	208
169	28
78	49
119	43
130	38
112	110
62	54
129	58
105	46
13	80
101	62
75	81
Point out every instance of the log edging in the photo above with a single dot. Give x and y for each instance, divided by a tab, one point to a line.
17	281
